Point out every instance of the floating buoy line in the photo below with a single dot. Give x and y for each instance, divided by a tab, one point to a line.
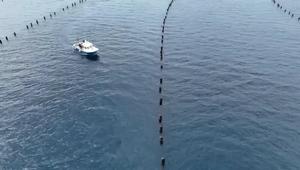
160	91
44	18
286	11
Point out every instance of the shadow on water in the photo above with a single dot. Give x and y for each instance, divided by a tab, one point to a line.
93	57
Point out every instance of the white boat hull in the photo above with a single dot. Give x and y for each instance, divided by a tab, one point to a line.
85	48
85	53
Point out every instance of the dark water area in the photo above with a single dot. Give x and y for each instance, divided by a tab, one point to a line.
231	85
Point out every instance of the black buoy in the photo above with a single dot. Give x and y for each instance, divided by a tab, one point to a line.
160	129
31	24
15	34
67	7
44	18
285	11
161	67
160	80
27	27
299	19
292	15
0	41
63	9
159	90
160	119
160	101
6	38
50	15
163	162
161	140
54	13
37	22
289	12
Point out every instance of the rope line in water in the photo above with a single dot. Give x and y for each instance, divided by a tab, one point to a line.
37	21
291	14
160	90
161	100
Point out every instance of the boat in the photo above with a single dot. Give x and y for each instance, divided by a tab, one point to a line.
85	48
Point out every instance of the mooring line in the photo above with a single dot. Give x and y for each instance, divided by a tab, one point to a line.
37	21
160	90
279	6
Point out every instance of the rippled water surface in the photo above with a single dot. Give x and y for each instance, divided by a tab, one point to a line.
231	85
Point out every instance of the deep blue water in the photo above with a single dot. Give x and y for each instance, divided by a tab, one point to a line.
231	86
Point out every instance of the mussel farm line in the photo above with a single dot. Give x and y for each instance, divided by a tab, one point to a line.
286	11
160	91
44	19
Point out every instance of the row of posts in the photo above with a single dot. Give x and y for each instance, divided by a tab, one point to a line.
37	22
285	10
161	100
